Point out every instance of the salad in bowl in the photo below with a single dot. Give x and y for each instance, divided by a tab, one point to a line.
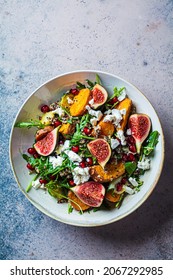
90	148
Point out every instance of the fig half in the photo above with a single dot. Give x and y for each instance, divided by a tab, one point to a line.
100	149
46	146
90	193
99	96
140	126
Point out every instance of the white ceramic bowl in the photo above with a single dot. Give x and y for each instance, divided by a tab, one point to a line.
21	139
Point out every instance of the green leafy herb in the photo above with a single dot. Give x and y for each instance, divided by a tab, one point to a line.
117	93
80	85
98	81
30	185
29	124
120	201
130	167
151	143
91	84
77	136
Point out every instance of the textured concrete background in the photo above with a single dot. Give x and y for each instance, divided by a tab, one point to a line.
41	39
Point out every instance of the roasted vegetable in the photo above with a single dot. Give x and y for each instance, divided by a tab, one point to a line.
76	202
66	129
111	196
47	118
124	104
113	171
78	108
67	101
106	128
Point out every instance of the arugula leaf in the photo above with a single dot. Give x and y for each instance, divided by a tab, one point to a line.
91	84
80	85
151	143
30	184
117	93
98	80
29	124
77	136
130	167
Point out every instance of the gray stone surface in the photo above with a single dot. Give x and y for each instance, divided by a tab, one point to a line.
41	39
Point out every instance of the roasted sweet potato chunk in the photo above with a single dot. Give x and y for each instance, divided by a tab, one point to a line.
76	202
113	171
112	196
78	108
67	128
106	128
127	105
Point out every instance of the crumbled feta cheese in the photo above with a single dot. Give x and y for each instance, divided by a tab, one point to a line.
36	184
128	131
114	143
69	100
133	181
80	175
91	102
98	114
144	163
93	121
113	116
123	112
120	135
66	145
128	189
56	161
59	111
73	156
123	95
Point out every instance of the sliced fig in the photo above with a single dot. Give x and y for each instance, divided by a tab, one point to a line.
100	149
76	202
90	193
100	96
47	145
140	126
41	133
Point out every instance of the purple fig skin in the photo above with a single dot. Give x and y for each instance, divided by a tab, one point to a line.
140	126
90	193
100	149
100	96
46	146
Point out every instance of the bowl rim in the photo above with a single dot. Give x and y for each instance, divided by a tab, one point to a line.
139	203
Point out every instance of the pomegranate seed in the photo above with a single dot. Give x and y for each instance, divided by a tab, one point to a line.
57	123
113	100
74	91
119	187
130	157
123	180
31	151
130	140
36	155
75	149
71	183
29	166
45	109
52	177
125	157
89	161
42	181
132	148
86	130
82	164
